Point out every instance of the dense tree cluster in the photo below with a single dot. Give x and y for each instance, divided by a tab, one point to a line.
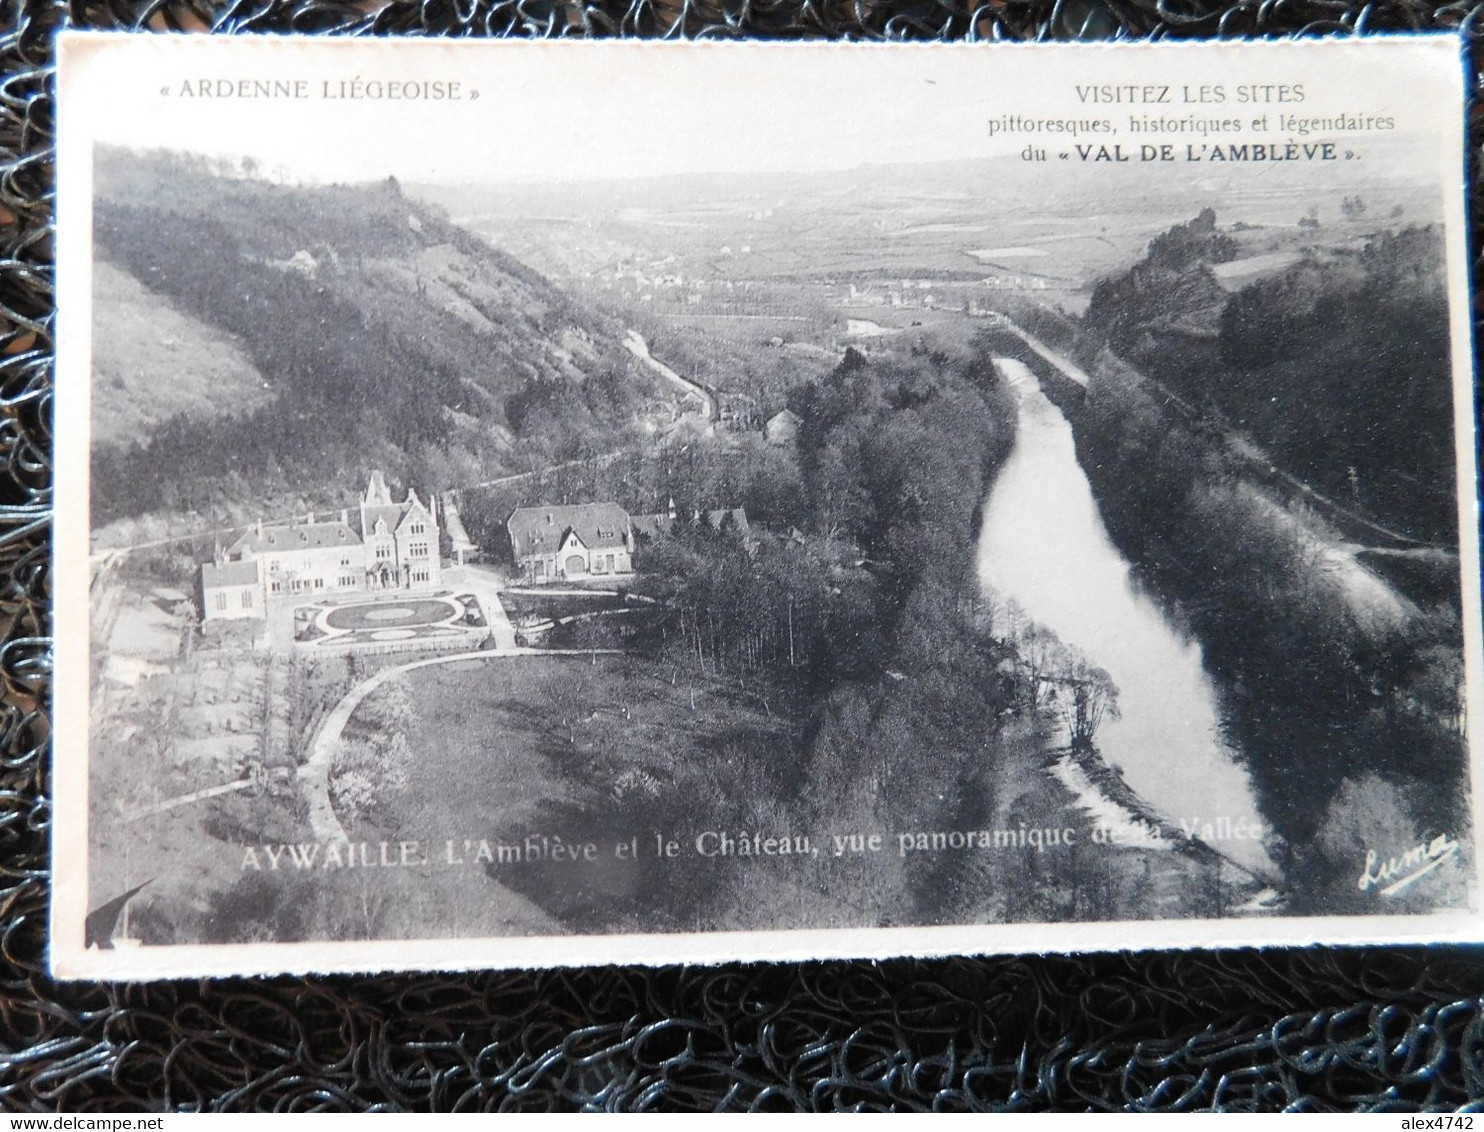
1340	368
1337	365
868	625
895	455
1196	241
370	765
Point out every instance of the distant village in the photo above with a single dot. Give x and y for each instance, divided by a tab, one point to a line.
661	283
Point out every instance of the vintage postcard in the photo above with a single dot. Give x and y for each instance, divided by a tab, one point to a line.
567	503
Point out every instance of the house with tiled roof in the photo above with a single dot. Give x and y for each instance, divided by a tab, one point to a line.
571	542
381	545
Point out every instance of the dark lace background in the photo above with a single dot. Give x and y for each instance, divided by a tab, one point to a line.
1310	1029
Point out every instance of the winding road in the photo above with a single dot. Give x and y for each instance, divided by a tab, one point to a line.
635	344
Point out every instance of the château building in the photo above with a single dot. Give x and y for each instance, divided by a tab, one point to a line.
382	545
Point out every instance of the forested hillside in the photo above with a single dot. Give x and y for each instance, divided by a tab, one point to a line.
384	336
1336	364
881	688
1340	672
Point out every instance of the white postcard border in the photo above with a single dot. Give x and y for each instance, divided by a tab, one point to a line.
71	960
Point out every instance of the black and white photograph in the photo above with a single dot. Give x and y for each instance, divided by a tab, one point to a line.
1030	509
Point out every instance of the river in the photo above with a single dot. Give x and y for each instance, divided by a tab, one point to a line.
1043	545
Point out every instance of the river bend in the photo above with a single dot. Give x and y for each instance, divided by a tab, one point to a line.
1043	545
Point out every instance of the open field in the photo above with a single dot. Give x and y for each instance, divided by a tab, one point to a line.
589	750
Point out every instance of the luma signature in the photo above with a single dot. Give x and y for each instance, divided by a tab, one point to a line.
1396	873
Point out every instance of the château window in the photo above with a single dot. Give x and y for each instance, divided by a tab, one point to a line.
277	587
221	603
416	529
247	599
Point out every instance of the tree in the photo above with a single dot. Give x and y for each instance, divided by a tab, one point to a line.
366	771
1090	695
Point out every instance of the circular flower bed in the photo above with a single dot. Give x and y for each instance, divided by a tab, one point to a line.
379	615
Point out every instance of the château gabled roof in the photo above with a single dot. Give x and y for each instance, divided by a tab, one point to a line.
377	493
412	509
391	513
345	531
377	504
